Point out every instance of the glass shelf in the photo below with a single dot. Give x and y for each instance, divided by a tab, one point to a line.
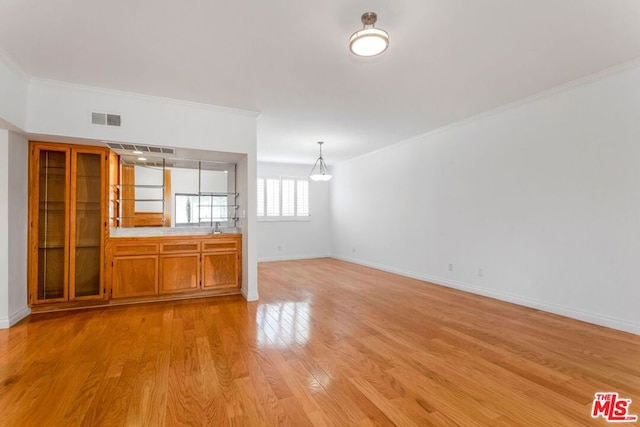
136	186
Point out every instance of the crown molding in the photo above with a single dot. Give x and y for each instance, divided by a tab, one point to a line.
565	87
152	98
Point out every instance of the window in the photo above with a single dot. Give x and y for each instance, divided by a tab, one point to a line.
192	209
272	197
283	198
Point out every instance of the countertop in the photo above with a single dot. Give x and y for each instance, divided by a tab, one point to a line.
169	231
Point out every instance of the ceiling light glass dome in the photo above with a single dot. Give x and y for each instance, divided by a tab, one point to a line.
369	41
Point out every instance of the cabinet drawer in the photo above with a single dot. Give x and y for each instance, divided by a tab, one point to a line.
134	248
179	247
220	245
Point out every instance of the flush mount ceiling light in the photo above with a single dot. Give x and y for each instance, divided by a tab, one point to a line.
319	170
369	41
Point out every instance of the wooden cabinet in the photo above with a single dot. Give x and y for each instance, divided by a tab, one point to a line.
164	266
67	224
135	276
179	273
220	263
179	266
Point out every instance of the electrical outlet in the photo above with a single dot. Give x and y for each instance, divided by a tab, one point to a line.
279	248
450	267
353	250
480	272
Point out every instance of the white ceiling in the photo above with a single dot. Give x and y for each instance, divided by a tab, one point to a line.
447	60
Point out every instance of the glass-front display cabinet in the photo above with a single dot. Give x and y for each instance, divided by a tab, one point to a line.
68	222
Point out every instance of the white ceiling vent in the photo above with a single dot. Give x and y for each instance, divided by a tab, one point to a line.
143	148
105	119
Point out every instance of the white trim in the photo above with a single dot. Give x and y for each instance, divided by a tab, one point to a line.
561	310
175	101
292	257
250	297
4	57
7	322
565	87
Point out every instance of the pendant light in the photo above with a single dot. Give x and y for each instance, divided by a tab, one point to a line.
369	41
319	170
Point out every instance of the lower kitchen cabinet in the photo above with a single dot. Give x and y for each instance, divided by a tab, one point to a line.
135	276
170	266
219	270
179	273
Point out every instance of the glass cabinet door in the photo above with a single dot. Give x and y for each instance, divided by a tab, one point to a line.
86	225
52	181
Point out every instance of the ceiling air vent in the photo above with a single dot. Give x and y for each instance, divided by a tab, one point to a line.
143	148
105	119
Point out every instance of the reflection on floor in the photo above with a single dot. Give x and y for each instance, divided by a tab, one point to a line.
282	324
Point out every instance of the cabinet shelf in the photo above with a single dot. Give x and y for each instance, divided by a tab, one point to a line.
137	200
54	167
217	194
88	245
45	210
136	186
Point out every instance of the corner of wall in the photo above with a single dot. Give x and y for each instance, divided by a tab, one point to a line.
251	295
9	321
13	92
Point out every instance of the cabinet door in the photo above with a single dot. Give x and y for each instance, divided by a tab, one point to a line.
179	273
87	225
49	225
135	276
220	269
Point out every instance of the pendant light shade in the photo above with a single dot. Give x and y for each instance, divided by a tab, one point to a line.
369	41
319	170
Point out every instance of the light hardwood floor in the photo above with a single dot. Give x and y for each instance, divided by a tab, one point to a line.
329	343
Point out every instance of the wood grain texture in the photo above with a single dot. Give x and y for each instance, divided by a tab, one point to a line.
329	344
220	269
179	273
135	276
128	196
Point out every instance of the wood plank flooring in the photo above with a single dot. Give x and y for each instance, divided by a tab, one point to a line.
329	344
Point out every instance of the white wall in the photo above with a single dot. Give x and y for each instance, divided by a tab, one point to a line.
13	97
13	228
284	240
4	228
246	188
18	218
56	108
143	175
543	197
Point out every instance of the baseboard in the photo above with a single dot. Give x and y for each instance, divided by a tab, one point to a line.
291	257
596	319
250	296
7	322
